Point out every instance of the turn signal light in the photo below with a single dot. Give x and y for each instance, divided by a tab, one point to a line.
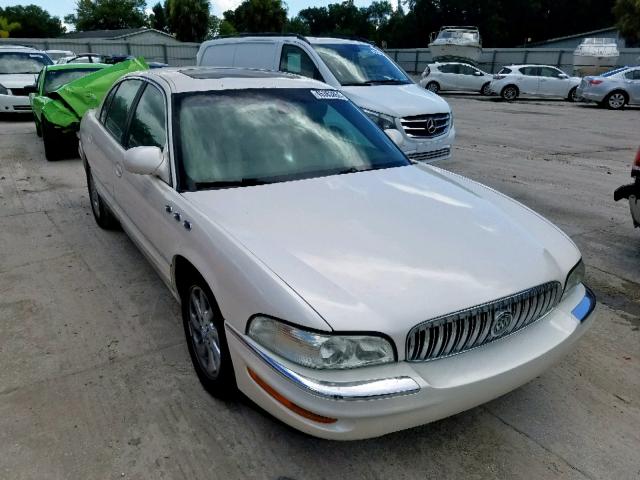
288	403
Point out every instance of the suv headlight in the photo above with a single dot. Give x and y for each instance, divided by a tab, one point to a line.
3	90
383	121
320	350
575	278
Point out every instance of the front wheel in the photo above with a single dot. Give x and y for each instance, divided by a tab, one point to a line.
206	339
101	213
573	95
485	90
433	87
51	139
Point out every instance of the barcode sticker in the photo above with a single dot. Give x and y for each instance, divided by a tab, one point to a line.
328	95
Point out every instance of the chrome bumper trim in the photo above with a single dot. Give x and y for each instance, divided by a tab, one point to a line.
360	390
586	305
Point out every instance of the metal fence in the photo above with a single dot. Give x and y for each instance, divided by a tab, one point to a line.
178	54
414	60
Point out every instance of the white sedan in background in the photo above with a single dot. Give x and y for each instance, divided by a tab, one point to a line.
455	76
534	80
344	289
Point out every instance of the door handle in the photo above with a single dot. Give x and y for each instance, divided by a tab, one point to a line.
118	170
168	208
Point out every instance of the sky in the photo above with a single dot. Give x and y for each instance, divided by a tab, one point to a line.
60	8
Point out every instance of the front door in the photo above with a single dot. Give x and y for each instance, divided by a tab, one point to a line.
553	82
632	81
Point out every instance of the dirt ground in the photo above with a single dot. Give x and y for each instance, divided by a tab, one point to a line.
96	381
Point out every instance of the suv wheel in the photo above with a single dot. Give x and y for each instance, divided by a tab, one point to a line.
615	100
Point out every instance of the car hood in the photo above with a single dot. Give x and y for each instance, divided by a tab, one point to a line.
397	100
386	249
18	80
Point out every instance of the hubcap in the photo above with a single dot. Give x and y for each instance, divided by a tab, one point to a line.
95	199
616	100
433	88
510	93
204	335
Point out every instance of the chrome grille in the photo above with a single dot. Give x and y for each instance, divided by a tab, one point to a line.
461	331
432	155
426	126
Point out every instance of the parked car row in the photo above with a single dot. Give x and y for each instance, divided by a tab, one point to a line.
321	271
613	89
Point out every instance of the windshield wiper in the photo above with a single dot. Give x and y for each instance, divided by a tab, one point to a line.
368	83
243	182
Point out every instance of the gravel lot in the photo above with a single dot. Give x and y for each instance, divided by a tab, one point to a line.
96	381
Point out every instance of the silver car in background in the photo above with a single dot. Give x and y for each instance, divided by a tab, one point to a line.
613	89
455	76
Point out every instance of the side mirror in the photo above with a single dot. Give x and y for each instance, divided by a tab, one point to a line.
563	76
145	161
477	73
395	136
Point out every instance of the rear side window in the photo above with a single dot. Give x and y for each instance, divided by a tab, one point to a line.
505	71
295	60
530	71
118	110
632	75
255	55
105	104
148	122
449	68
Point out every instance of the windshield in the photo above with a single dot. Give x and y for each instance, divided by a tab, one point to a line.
360	64
234	138
57	78
22	62
458	35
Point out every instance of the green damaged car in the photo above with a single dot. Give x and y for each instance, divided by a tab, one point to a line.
65	92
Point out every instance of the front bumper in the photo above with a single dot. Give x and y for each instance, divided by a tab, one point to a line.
632	192
14	104
429	150
374	401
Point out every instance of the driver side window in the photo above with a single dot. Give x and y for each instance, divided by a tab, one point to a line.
295	60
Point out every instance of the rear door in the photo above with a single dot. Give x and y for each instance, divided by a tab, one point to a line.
471	78
632	81
104	148
529	80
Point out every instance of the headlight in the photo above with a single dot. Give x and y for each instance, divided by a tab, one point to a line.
320	350
3	90
575	278
380	119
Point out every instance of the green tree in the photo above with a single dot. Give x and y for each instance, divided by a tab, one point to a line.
297	25
627	13
108	14
226	28
188	19
34	22
158	19
258	16
7	27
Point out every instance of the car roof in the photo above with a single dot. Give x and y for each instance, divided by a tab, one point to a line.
20	48
529	65
194	79
75	66
336	41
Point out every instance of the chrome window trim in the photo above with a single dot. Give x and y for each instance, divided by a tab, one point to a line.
349	391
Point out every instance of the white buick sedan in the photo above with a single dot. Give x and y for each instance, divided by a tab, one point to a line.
344	289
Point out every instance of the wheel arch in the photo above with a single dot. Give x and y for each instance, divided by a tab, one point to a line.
510	85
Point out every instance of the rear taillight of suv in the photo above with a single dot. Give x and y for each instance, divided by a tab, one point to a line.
595	81
635	168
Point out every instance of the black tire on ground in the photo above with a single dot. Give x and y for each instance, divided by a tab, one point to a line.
485	89
616	100
206	338
433	87
573	95
51	140
510	92
101	213
38	128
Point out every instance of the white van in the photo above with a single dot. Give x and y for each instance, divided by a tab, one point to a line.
362	72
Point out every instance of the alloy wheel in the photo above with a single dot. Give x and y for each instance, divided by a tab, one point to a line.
203	333
617	100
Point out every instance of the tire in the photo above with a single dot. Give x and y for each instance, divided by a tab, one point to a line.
206	339
509	93
38	127
433	87
485	90
573	95
50	138
616	100
101	213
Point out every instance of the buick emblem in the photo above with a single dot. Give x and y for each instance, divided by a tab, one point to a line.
431	126
501	323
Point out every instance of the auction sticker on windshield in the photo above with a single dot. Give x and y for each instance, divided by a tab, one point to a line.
328	95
